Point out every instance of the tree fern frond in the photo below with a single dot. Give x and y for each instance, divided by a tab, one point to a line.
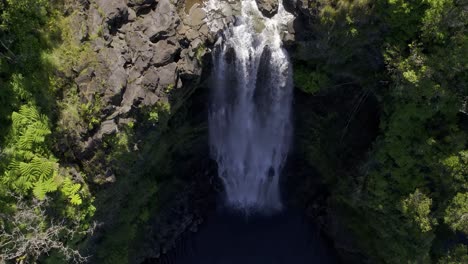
28	171
41	188
44	168
70	189
22	185
75	199
35	133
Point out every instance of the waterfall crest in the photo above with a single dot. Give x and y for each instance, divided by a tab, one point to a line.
250	110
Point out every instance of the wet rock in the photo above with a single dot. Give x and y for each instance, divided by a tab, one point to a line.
289	36
192	34
290	5
269	8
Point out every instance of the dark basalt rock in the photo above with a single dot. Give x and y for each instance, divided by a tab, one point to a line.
161	23
164	52
142	6
290	6
269	8
115	12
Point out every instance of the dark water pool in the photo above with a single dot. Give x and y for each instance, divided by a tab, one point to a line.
229	238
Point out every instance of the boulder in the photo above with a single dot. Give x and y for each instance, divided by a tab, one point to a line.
290	5
140	50
269	8
115	12
196	17
168	75
189	68
108	127
164	52
161	23
140	6
133	96
158	79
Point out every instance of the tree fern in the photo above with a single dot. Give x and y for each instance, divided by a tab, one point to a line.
41	188
32	168
24	175
29	126
70	189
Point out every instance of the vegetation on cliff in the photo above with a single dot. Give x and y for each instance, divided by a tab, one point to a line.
45	205
60	151
405	199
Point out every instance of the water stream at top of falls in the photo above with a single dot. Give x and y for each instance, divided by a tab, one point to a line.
250	111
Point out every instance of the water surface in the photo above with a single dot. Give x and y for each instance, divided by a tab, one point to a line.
227	238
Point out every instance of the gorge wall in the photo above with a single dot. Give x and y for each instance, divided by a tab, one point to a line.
140	82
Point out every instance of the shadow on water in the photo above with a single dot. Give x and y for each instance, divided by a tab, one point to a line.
230	238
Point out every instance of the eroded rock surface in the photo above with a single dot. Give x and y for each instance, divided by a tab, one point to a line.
144	49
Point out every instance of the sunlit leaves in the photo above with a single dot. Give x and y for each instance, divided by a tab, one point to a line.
70	190
32	166
456	214
417	206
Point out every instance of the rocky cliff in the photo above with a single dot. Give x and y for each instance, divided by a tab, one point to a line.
140	92
146	54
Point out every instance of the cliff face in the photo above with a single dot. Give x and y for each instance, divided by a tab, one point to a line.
141	91
146	54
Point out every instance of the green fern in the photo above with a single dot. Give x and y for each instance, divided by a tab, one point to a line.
29	166
32	168
70	189
43	187
30	126
26	175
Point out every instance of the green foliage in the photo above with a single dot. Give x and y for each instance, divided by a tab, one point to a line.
399	200
32	165
309	81
90	112
456	214
457	255
418	207
29	162
30	50
70	190
200	51
158	114
422	141
29	127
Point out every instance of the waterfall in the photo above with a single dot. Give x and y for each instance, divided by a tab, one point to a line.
250	110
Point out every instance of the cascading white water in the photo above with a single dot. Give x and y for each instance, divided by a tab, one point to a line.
249	118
